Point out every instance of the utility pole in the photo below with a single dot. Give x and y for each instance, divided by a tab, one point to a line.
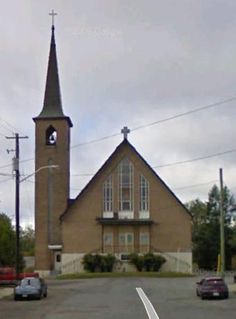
17	198
222	225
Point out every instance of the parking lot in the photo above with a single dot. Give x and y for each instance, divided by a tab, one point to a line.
118	298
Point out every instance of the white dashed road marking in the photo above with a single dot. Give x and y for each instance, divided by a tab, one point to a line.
147	304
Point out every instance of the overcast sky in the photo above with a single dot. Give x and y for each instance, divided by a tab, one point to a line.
123	63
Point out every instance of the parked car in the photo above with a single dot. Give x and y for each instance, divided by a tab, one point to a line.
31	288
212	287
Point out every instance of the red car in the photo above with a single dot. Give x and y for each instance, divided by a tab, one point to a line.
8	276
212	287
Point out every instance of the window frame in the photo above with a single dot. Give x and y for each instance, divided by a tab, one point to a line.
126	185
108	195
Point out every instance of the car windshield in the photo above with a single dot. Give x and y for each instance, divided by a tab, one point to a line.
30	282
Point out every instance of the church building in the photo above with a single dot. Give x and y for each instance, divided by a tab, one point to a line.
126	207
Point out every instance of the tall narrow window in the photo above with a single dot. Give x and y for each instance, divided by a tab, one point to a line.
125	185
51	136
107	195
144	194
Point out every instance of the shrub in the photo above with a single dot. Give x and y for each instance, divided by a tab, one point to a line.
137	261
91	262
98	263
148	262
158	262
107	263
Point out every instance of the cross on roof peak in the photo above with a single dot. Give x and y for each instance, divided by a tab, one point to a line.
53	14
125	131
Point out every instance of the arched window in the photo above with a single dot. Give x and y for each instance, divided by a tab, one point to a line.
125	185
51	136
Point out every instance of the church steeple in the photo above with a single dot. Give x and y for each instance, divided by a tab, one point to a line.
52	147
52	106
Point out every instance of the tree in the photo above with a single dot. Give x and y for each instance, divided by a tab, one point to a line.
7	241
213	204
198	210
206	228
27	240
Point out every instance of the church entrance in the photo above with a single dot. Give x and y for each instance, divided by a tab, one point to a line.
57	261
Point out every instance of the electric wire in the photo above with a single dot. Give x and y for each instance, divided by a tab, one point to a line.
198	109
195	159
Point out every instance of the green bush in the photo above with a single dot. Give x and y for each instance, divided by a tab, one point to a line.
98	263
148	262
137	261
158	262
91	262
108	262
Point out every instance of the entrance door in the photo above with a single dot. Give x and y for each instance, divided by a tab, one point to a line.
57	261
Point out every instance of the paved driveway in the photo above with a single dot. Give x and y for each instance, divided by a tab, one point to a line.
118	298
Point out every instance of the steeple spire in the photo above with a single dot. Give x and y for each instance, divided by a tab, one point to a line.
52	106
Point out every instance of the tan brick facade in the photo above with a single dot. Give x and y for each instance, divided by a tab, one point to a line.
47	212
170	224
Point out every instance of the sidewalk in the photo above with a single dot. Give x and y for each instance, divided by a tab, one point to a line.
6	291
232	288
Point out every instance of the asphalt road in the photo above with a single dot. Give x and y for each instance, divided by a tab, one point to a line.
118	298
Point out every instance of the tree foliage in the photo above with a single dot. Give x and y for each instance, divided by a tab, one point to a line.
7	241
206	228
27	240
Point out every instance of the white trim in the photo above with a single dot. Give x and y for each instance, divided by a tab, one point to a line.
126	215
144	214
55	247
108	214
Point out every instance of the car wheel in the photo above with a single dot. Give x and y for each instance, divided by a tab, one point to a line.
203	297
16	298
45	294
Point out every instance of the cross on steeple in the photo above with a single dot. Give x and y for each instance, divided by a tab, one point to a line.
125	131
53	14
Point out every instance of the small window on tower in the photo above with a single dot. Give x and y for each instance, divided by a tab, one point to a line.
51	136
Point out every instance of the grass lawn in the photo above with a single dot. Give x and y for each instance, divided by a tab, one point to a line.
90	275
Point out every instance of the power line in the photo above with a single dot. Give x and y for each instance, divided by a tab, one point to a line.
196	159
195	185
174	163
198	109
22	161
96	140
10	127
157	166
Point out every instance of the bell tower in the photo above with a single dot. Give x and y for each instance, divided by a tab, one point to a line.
52	167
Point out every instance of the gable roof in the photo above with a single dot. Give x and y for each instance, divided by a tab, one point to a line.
124	143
